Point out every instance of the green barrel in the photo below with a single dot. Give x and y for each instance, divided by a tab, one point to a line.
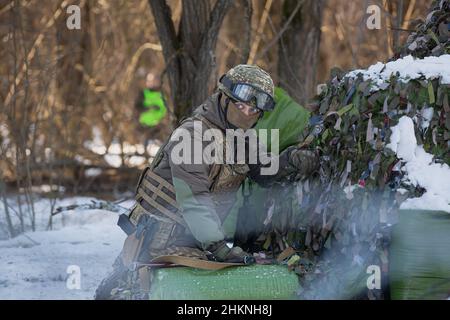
420	255
255	282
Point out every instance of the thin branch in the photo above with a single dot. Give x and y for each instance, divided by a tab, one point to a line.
210	38
32	52
401	29
134	60
280	33
248	13
408	14
262	24
10	5
284	52
389	25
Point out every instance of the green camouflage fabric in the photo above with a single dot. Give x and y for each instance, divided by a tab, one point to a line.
250	74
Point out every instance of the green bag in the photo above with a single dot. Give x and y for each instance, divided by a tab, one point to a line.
288	117
255	282
420	255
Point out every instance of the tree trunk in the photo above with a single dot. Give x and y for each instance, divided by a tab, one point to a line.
189	55
299	48
12	232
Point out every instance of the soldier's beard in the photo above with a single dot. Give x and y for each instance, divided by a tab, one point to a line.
240	120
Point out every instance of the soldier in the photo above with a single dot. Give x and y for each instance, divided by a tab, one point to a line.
180	207
150	103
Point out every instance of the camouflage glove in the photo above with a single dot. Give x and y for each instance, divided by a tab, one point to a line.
305	162
222	253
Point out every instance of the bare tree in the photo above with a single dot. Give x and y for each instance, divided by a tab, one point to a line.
189	54
299	47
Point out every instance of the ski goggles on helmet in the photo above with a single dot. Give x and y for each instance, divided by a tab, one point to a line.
245	92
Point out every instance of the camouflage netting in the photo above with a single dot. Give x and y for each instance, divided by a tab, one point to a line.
431	37
339	222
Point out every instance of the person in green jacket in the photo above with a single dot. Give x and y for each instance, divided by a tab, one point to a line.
181	206
150	102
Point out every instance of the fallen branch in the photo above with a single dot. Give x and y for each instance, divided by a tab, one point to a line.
94	205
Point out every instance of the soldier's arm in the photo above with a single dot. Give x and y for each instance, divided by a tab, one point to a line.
193	196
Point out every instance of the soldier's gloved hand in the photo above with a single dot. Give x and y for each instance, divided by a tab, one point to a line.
304	161
221	252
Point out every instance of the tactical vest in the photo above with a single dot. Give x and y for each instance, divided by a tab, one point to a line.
224	177
156	197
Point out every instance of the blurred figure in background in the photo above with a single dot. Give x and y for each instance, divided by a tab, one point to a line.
150	106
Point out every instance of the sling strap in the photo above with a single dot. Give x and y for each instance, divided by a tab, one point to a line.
194	262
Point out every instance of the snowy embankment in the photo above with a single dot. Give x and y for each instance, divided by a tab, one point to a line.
45	264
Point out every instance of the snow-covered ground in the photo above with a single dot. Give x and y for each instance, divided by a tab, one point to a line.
45	264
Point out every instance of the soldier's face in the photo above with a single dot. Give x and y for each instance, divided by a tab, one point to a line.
246	109
242	115
152	81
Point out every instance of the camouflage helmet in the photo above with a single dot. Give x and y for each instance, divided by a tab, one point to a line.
249	74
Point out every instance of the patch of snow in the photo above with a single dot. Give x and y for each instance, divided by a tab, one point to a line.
35	265
408	68
4	132
113	160
93	172
112	154
136	161
83	160
115	148
97	145
46	188
152	149
427	116
403	141
420	169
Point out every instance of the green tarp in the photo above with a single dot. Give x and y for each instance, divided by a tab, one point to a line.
420	255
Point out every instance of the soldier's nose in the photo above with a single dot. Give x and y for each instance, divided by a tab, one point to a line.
245	109
247	112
